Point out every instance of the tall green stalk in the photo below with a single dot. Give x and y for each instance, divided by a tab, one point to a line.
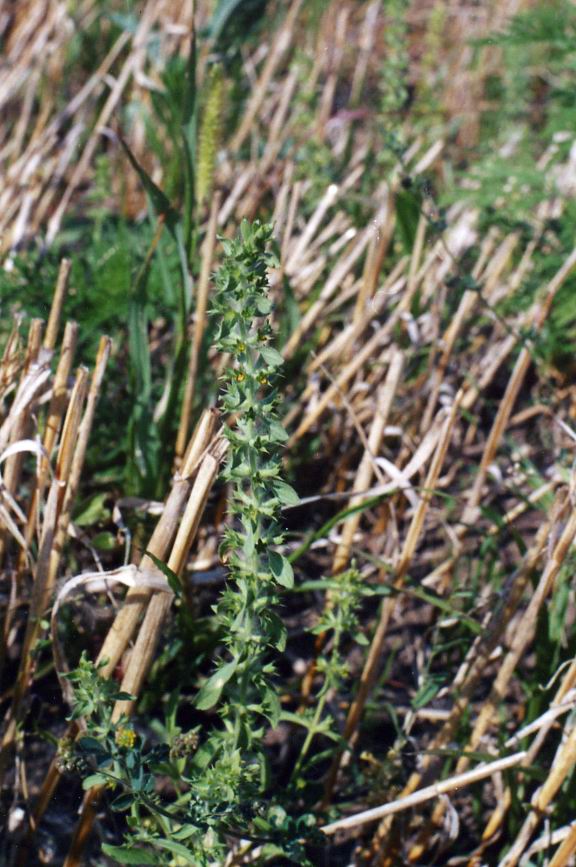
246	611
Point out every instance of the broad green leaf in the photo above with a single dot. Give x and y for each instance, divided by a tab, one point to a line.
212	689
286	493
281	569
185	832
122	802
91	744
278	432
105	541
408	207
273	707
271	356
296	719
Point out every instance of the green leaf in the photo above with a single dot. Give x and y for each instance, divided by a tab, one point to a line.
91	745
427	691
332	522
286	493
92	510
171	577
212	689
281	569
271	356
122	802
277	431
273	707
439	603
176	849
105	541
185	832
129	855
297	719
319	584
95	780
408	206
160	201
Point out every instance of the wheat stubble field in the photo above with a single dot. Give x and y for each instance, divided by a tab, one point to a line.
287	432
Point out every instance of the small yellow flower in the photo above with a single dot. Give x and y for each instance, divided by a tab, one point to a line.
241	347
125	737
240	376
263	379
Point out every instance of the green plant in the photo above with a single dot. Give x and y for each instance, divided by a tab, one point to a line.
339	619
218	788
221	777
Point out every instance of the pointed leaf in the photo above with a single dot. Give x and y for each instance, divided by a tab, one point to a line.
160	201
222	14
176	849
286	493
171	577
129	855
281	569
212	689
271	356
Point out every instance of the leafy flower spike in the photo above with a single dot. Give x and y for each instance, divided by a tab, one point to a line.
250	546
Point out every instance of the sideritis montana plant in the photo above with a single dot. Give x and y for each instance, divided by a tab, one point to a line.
220	775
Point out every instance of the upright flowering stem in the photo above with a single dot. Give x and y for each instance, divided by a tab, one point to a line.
246	610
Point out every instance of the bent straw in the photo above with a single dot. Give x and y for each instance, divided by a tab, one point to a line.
56	411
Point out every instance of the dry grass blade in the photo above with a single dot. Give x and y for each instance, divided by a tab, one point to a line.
524	634
420	797
277	52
